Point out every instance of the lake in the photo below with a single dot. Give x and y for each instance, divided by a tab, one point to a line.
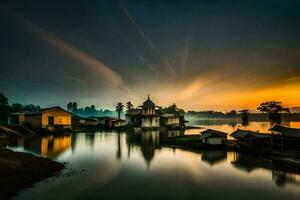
123	165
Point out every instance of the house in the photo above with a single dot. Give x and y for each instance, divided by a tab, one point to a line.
145	116
251	139
285	138
170	120
53	117
119	123
213	137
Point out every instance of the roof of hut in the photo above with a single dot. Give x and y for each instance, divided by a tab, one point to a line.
213	133
239	133
286	131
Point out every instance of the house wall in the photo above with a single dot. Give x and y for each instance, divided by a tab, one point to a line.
119	123
60	117
172	120
214	141
34	120
150	122
148	111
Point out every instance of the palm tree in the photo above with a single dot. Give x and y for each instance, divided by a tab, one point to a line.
274	109
119	109
129	106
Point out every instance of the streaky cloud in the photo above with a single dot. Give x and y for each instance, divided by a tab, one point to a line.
108	75
146	38
153	69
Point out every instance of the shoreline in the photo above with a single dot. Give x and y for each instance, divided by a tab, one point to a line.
20	170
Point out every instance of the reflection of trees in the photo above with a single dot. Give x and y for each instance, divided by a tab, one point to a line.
90	139
282	173
213	157
119	153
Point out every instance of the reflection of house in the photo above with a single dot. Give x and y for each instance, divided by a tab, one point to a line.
44	118
213	137
249	139
285	138
146	116
49	146
282	172
213	157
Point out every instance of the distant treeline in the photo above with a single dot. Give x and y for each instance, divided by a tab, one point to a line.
89	111
234	114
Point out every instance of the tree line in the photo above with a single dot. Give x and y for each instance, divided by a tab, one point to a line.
88	111
6	109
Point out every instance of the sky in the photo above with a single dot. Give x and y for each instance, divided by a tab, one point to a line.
202	55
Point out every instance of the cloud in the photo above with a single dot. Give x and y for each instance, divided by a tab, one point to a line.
293	78
107	75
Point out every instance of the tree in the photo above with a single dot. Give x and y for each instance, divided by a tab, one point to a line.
3	99
129	105
245	117
232	113
4	109
274	109
31	107
70	106
74	107
17	107
119	109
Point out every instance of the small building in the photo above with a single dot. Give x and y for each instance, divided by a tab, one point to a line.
43	118
89	121
145	116
285	138
119	123
213	137
251	139
170	120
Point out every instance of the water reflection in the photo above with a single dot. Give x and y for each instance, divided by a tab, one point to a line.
114	164
47	146
214	157
282	173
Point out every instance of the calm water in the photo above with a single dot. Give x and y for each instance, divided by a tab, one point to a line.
115	165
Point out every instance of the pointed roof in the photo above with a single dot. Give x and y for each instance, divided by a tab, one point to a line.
148	103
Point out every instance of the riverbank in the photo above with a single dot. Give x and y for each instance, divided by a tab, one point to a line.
19	170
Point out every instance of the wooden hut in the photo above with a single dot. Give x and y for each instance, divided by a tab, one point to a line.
213	137
44	118
251	139
285	138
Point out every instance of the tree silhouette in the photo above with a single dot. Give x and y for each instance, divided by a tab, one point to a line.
74	107
274	109
4	109
245	117
129	105
70	106
119	109
3	99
